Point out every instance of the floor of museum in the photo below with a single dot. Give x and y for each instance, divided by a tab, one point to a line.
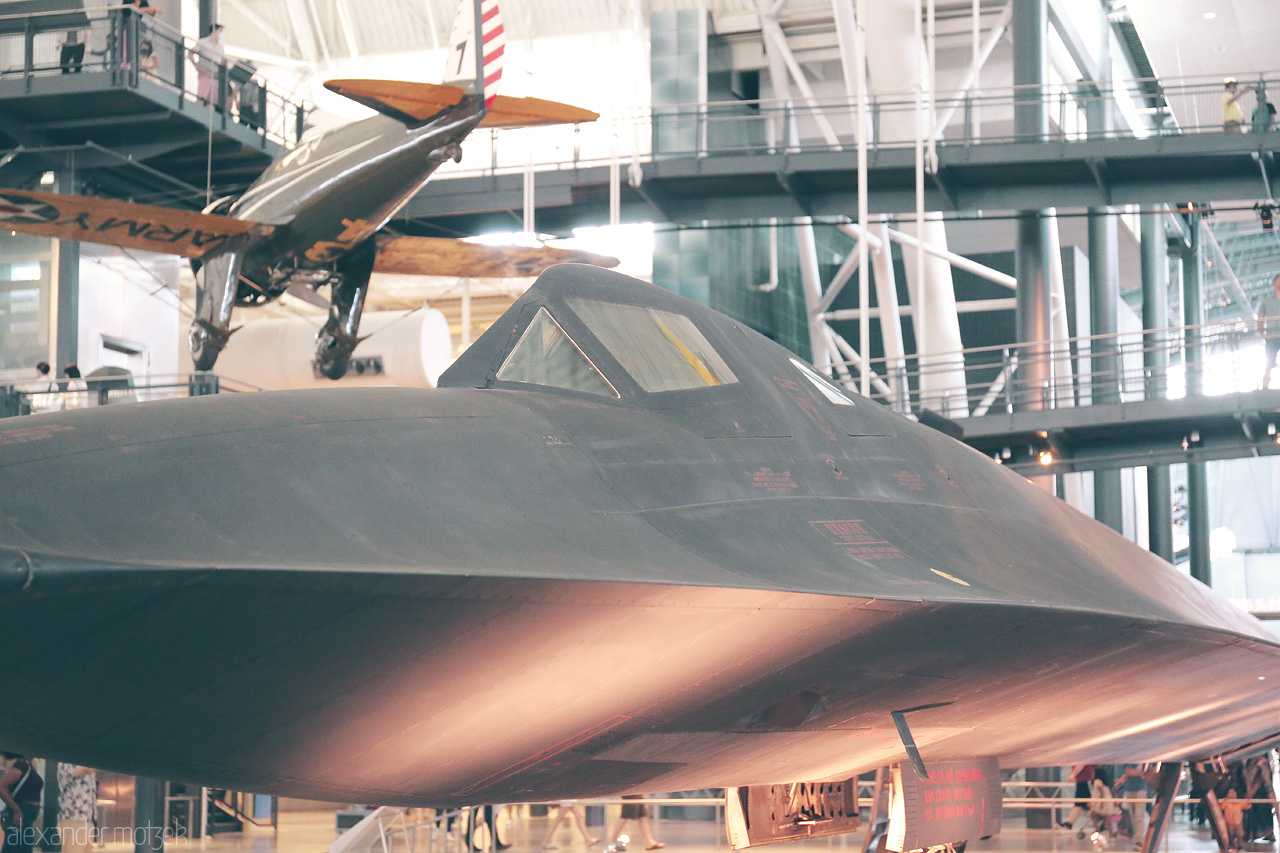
312	832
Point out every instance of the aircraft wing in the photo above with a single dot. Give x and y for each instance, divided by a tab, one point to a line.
414	103
505	111
402	100
119	223
445	256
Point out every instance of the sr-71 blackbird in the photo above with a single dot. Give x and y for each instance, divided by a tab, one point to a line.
314	217
628	545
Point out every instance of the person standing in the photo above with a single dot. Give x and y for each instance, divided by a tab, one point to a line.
1232	112
77	395
1264	114
639	812
77	807
44	393
20	789
568	811
1133	787
1082	775
209	56
1268	310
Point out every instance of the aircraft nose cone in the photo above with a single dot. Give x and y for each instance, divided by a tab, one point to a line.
16	569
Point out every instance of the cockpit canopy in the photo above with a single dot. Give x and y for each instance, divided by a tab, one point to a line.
659	350
583	331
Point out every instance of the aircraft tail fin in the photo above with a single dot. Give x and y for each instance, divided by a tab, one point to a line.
411	103
460	64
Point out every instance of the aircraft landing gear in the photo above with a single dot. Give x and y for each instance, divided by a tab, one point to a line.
337	340
217	278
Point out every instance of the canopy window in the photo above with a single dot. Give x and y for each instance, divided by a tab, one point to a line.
545	355
828	389
661	351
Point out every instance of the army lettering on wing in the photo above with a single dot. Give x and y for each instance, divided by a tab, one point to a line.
201	239
135	228
80	220
165	234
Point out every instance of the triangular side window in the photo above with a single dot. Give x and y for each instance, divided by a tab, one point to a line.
545	355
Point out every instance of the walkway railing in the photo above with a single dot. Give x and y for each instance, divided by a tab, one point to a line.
1143	108
124	46
1216	358
113	390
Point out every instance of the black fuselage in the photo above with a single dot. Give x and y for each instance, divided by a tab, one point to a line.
530	592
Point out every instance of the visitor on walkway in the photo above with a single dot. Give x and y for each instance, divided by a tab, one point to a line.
1268	310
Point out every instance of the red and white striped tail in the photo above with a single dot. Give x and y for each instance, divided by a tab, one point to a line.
460	66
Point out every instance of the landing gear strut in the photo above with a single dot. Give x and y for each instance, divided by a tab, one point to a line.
216	280
349	287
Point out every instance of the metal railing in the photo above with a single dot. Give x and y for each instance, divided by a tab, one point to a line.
123	46
1212	359
114	390
447	831
1143	108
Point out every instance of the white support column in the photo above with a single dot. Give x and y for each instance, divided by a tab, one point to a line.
864	216
976	63
807	248
936	321
303	33
348	31
895	354
320	36
851	63
777	78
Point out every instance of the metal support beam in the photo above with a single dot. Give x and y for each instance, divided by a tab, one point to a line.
776	40
1193	318
1155	358
975	68
1242	299
258	21
1034	298
1104	298
1029	24
148	815
807	248
969	306
1166	787
66	270
208	16
958	261
348	31
1206	779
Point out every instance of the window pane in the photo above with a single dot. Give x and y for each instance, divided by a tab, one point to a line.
546	356
662	351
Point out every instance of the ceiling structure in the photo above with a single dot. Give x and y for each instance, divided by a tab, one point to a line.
1181	38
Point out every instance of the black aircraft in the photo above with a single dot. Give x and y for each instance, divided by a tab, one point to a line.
314	217
628	545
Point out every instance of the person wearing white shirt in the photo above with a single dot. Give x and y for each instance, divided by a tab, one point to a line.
209	56
44	396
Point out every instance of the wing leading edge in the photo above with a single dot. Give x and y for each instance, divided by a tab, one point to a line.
449	257
121	223
415	103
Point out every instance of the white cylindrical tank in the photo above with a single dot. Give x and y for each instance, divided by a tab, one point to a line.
403	350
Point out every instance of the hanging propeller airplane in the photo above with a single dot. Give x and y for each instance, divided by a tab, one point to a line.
315	217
